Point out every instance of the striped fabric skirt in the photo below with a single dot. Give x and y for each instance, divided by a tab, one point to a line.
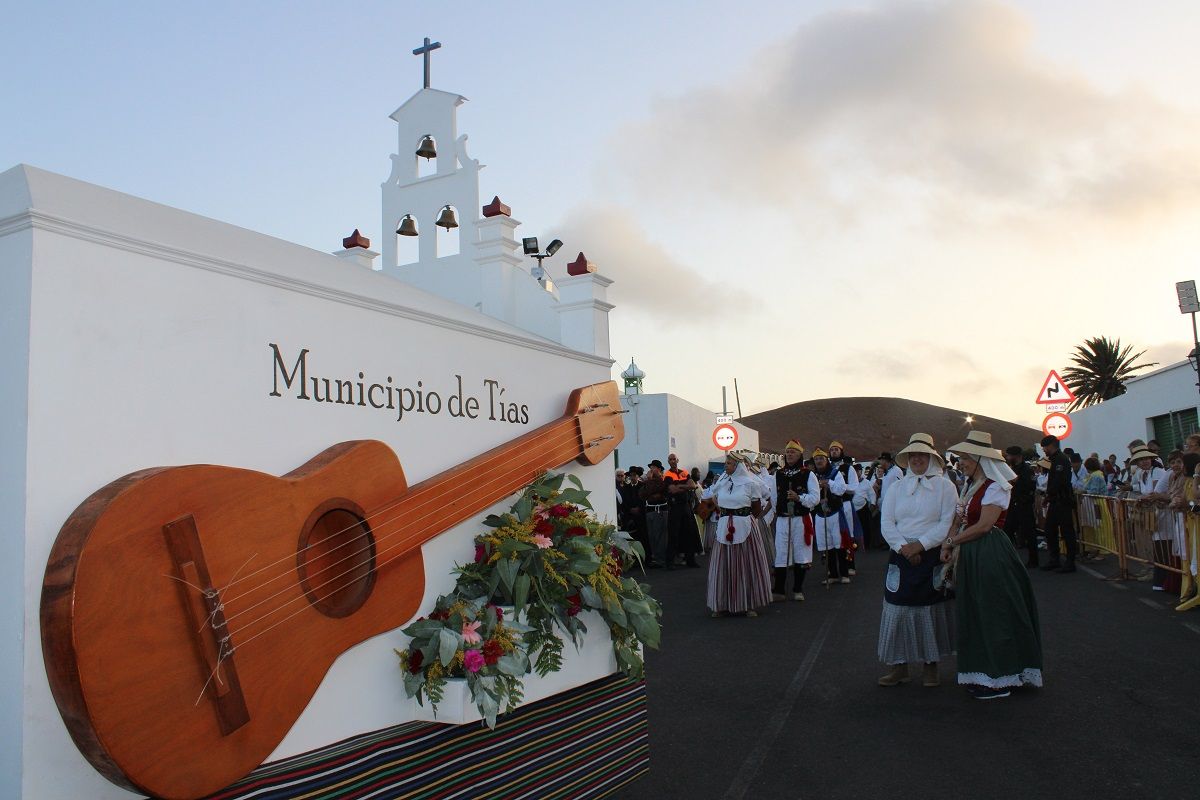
738	576
916	634
766	537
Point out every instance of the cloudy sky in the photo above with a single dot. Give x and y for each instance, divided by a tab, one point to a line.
933	200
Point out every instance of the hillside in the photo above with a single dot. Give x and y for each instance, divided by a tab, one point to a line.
870	425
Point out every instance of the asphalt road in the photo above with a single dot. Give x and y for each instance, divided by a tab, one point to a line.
786	705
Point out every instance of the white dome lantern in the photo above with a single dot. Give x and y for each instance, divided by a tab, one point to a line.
633	377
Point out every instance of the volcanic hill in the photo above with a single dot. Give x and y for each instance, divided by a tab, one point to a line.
870	425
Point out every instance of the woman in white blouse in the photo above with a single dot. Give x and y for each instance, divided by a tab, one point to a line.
917	624
999	635
738	579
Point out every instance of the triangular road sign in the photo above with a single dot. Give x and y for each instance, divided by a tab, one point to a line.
1055	390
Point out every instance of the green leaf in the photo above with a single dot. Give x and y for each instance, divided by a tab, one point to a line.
523	508
448	644
578	484
590	597
511	664
508	573
648	631
584	567
520	594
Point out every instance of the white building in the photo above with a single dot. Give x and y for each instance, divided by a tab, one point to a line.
1159	405
134	335
660	424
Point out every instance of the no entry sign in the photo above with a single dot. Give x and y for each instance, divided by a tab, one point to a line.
725	437
1057	425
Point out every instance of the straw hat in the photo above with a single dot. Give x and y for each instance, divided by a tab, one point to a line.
819	452
919	443
978	444
794	445
1044	463
1142	452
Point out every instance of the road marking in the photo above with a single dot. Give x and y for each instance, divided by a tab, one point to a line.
1151	603
1110	581
1191	626
753	763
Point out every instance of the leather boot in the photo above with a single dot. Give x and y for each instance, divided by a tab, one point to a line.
898	675
929	676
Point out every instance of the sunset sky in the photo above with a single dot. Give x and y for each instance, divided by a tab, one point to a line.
924	200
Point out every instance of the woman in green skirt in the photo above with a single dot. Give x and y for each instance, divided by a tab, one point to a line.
999	638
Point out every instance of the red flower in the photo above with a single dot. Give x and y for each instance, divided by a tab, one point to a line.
415	658
499	613
543	527
575	604
561	510
440	615
577	531
492	651
480	553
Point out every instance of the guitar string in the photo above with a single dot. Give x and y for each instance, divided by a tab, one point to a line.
233	648
438	495
226	648
485	488
550	430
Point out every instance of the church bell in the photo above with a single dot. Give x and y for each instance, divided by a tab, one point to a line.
427	148
408	226
447	218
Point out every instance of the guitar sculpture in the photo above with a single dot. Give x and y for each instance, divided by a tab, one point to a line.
189	613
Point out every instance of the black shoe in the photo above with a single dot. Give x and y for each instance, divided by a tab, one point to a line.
987	693
670	567
653	565
1053	565
1065	568
693	563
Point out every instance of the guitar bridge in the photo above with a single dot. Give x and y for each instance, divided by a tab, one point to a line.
206	616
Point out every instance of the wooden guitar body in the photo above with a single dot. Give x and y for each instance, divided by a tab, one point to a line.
189	613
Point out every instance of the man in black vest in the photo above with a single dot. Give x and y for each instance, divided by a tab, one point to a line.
1019	521
845	465
796	492
1060	507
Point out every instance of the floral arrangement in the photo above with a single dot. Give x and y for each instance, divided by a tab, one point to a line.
549	558
467	639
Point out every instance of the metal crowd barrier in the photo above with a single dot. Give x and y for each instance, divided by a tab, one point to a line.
1136	533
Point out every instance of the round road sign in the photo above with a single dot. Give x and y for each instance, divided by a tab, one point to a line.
1057	425
725	437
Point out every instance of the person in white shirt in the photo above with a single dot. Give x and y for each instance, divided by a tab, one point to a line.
796	492
830	524
1152	484
737	568
917	624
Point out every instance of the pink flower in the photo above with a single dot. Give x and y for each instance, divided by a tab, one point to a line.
542	541
473	659
480	553
469	633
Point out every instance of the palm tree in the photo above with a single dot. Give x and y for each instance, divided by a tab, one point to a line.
1100	367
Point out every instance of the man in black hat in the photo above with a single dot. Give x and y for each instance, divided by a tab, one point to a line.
653	492
1060	507
886	474
1019	522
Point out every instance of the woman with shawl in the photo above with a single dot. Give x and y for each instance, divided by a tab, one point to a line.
999	636
917	625
737	568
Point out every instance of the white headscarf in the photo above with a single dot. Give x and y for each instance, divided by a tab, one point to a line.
911	482
994	469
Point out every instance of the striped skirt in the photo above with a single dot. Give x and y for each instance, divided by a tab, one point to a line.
916	634
766	537
738	577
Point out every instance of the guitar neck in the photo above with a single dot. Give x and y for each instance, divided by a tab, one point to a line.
459	493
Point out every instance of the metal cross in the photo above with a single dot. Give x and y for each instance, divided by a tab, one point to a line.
425	50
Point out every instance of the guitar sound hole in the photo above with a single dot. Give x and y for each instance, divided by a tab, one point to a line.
336	559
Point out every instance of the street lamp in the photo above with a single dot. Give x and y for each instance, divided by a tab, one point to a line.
1189	303
529	246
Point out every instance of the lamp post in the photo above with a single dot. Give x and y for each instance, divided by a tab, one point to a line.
1189	303
530	246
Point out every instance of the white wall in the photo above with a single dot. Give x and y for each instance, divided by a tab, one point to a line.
16	245
1111	425
148	344
655	419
